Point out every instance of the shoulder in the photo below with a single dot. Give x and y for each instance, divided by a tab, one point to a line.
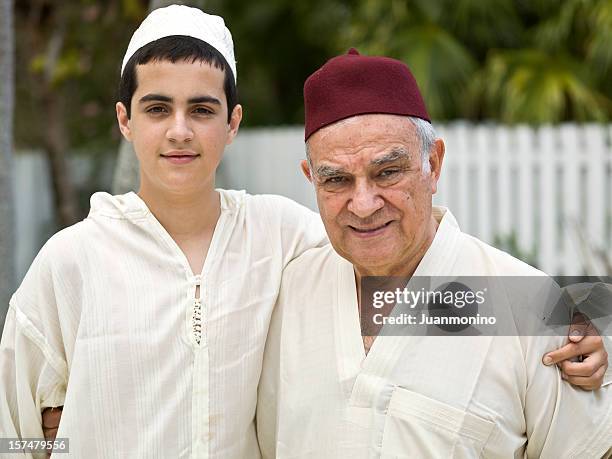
269	204
281	206
55	268
492	261
276	214
310	280
63	245
313	264
61	259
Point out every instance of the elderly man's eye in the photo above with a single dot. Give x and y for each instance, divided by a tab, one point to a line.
335	180
389	173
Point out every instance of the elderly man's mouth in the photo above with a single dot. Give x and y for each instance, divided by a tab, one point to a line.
369	231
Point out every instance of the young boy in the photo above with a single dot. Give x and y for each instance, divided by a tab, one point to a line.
147	321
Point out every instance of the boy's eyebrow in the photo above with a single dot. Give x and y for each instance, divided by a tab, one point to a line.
154	97
193	100
204	100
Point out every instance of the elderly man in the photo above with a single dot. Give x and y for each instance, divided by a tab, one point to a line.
328	392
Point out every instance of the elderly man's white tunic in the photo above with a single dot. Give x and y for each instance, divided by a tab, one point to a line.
320	396
106	323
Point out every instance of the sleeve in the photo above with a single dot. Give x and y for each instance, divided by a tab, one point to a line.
31	377
301	228
268	392
607	340
33	368
562	420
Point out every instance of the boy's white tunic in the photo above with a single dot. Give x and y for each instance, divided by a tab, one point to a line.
414	396
106	323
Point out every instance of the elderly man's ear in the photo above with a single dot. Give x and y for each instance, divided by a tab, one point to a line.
306	170
436	157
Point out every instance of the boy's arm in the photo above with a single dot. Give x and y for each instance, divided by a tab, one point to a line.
51	418
300	228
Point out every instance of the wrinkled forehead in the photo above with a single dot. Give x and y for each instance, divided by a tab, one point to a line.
363	137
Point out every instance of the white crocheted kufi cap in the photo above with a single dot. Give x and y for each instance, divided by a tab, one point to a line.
183	20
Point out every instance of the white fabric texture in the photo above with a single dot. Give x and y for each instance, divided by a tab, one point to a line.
321	397
183	20
105	324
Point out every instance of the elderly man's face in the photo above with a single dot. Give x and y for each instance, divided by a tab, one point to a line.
373	195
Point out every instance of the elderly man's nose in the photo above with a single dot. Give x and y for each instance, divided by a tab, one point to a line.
365	201
179	130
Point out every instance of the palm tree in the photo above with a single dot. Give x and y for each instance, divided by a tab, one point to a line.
560	70
7	212
539	61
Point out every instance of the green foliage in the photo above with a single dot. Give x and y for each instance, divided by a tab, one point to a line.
133	9
534	61
529	85
69	53
278	44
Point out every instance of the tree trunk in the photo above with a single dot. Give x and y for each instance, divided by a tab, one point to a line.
55	135
7	210
126	177
64	198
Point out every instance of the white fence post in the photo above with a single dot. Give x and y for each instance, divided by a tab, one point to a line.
548	237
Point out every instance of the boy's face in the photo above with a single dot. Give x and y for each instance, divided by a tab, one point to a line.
178	125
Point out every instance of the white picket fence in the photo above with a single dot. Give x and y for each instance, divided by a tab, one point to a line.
551	186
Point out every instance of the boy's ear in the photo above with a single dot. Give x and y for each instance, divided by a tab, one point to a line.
124	121
234	123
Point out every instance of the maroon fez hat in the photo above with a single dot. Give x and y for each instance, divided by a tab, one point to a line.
352	84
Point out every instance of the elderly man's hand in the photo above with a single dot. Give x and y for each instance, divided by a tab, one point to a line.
50	422
583	360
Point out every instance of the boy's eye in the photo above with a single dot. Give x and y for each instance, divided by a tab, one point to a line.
156	109
203	111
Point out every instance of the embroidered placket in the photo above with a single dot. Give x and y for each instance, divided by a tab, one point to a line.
196	318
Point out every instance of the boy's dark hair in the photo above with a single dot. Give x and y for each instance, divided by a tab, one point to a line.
173	49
